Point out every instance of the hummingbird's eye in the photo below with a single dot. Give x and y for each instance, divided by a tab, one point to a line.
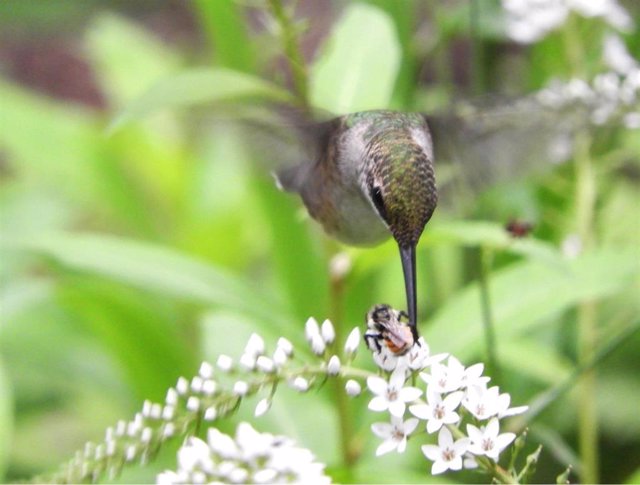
376	197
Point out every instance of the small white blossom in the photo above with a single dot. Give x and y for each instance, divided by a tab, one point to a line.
156	411
265	364
168	430
311	329
300	384
352	342
255	345
333	367
328	333
182	386
262	407
285	345
240	388
168	413
394	434
248	361
438	411
209	387
392	395
444	378
130	453
196	384
448	454
193	403
146	435
353	388
222	445
318	345
206	370
210	413
280	357
487	440
482	402
224	363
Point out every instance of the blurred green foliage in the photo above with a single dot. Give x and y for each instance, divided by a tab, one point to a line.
141	237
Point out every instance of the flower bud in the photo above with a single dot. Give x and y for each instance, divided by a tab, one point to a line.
353	340
262	407
328	332
224	363
353	388
333	368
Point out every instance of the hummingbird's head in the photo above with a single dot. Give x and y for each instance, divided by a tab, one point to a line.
401	186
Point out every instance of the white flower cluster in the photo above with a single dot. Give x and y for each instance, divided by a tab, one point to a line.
528	21
453	395
251	457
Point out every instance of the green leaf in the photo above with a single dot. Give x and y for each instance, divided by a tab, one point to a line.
199	86
525	294
6	419
157	269
359	64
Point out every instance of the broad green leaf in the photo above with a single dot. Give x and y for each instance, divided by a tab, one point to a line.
157	269
196	87
224	24
525	294
6	419
126	57
359	63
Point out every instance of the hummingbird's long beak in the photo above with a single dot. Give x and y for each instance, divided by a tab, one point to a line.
408	257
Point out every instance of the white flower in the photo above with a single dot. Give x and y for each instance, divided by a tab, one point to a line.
210	414
248	361
224	363
196	384
240	388
193	403
482	402
209	387
419	356
262	407
206	370
444	378
352	342
280	357
285	345
168	430
311	329
255	345
448	454
222	445
486	440
328	333
438	411
265	364
182	386
394	434
333	367
473	376
617	56
300	384
353	388
392	395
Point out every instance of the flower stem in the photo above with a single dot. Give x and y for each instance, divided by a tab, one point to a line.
292	51
484	269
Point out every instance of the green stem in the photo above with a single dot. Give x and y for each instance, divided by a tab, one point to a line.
292	51
484	270
585	198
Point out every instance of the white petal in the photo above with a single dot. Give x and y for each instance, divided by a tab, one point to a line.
378	403
432	452
492	429
422	411
456	463
408	394
474	433
453	400
474	371
439	467
377	385
433	425
402	445
514	411
445	440
460	446
386	447
397	408
410	425
382	430
451	418
504	440
262	407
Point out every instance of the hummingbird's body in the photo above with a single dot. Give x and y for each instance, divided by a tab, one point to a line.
373	178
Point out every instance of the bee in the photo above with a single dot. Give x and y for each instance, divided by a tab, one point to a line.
388	328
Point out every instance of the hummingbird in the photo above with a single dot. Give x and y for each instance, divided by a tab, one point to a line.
372	178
